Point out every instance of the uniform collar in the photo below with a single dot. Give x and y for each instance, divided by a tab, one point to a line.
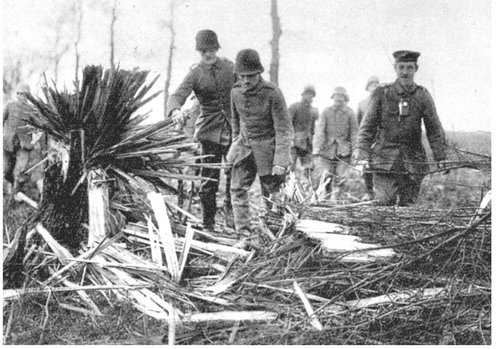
217	64
257	87
404	90
336	107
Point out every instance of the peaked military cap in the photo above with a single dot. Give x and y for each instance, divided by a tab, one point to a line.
406	56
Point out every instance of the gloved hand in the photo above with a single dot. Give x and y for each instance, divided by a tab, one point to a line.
179	117
361	166
278	170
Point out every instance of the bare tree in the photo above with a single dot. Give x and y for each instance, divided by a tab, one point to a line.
78	10
60	46
172	34
112	25
275	45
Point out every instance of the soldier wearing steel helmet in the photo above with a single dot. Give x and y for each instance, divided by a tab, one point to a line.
211	80
336	131
392	127
262	134
362	108
303	116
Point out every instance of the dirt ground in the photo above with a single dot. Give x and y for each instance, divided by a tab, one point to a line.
38	320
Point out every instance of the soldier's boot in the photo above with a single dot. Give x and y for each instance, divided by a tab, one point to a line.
227	207
208	204
241	215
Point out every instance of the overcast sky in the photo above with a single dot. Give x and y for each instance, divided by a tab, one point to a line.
325	42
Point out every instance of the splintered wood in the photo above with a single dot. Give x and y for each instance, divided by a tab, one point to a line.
347	248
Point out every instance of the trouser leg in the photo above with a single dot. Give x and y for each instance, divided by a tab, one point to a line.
409	186
242	177
294	157
368	182
270	184
322	168
21	163
209	185
8	166
385	188
227	197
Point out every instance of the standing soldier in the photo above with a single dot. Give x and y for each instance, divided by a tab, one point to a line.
393	125
262	133
362	108
22	149
336	131
303	116
211	80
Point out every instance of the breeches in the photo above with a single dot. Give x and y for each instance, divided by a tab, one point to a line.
242	177
14	165
304	156
334	168
396	188
210	185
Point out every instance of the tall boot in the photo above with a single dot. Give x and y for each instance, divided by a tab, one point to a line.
208	203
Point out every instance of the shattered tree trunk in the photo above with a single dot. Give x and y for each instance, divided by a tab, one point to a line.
170	28
275	43
64	207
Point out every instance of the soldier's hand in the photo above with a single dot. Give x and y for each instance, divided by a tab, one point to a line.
278	170
178	117
361	166
443	166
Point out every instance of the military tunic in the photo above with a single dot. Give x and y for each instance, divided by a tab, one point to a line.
336	131
262	134
398	157
212	85
362	109
303	117
20	151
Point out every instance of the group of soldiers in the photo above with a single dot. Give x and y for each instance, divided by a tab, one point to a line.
244	121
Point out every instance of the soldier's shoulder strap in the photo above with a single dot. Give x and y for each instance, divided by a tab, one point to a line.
194	66
269	85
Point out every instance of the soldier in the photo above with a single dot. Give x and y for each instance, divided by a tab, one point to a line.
393	125
362	108
303	116
262	133
22	149
211	80
336	131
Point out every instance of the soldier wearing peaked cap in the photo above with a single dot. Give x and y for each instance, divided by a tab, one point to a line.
392	128
303	116
211	80
262	133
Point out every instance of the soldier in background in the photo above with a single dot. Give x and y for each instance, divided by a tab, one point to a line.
262	134
22	148
336	131
362	108
211	80
393	124
303	116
